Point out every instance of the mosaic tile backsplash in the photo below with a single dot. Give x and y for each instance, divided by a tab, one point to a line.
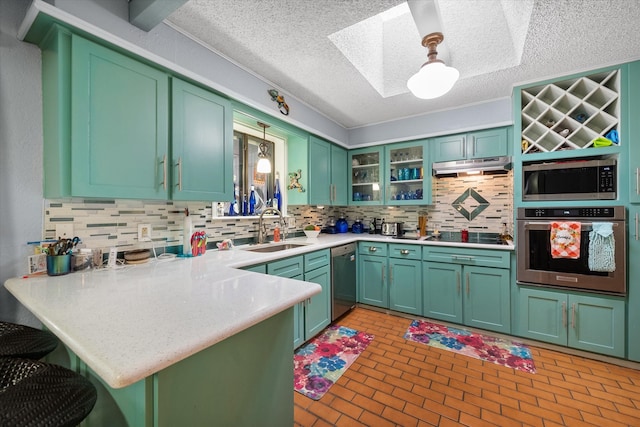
108	223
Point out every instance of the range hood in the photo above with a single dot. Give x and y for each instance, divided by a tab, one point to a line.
489	165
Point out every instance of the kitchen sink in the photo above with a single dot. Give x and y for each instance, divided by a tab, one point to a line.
274	248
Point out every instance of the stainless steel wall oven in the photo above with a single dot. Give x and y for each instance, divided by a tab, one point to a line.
540	262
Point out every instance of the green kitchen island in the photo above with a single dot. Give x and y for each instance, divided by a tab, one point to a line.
188	342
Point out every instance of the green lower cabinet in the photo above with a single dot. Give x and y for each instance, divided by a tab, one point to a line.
260	268
471	295
405	285
313	315
486	300
442	296
390	276
372	284
317	310
585	322
208	388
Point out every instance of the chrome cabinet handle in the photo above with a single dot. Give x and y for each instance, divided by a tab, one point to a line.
458	282
383	275
463	257
637	180
564	314
164	172
390	275
464	145
573	315
467	285
404	251
179	164
372	249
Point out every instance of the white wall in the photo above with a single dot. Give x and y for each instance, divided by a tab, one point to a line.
20	154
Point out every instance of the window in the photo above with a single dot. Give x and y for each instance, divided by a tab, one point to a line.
245	174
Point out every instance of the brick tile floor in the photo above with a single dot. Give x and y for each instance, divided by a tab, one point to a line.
400	383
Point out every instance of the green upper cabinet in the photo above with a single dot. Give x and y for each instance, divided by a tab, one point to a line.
202	144
473	145
319	171
366	181
339	175
327	173
409	174
633	133
119	125
113	127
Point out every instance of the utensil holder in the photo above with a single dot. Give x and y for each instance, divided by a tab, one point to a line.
57	265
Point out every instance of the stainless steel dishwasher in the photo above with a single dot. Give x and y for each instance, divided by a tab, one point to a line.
343	279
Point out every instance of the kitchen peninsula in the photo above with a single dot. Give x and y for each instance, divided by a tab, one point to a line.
182	342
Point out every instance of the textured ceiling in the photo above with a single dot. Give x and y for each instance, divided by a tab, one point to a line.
494	44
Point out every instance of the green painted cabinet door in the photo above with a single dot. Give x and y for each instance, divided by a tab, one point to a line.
450	147
487	143
486	298
120	125
405	285
633	135
586	322
202	144
298	325
442	294
372	280
634	284
339	176
597	324
317	313
473	145
366	181
319	171
408	173
542	315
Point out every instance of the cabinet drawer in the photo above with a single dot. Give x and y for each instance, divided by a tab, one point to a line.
481	257
259	268
317	259
288	267
372	248
405	251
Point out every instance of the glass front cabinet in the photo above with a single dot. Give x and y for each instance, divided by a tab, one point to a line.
409	174
367	176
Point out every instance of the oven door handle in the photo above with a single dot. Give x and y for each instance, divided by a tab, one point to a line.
543	225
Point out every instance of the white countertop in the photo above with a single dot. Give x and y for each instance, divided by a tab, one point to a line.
129	323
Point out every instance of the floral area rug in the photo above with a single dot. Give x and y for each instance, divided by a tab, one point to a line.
318	364
491	349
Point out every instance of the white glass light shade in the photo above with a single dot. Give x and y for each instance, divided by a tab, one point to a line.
264	165
433	80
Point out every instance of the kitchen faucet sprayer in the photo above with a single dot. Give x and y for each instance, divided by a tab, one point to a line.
262	228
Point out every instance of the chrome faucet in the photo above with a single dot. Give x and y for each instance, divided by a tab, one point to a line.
262	228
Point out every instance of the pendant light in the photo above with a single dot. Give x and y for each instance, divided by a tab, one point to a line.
264	165
434	78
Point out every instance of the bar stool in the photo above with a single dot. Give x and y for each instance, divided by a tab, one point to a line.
35	393
25	342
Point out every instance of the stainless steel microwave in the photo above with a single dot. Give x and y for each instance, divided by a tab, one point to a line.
570	180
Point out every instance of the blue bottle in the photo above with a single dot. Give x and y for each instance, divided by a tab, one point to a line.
277	197
252	201
245	210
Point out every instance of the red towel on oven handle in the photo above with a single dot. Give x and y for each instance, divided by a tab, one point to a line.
565	240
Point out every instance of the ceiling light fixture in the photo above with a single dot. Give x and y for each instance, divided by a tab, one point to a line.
434	78
264	165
